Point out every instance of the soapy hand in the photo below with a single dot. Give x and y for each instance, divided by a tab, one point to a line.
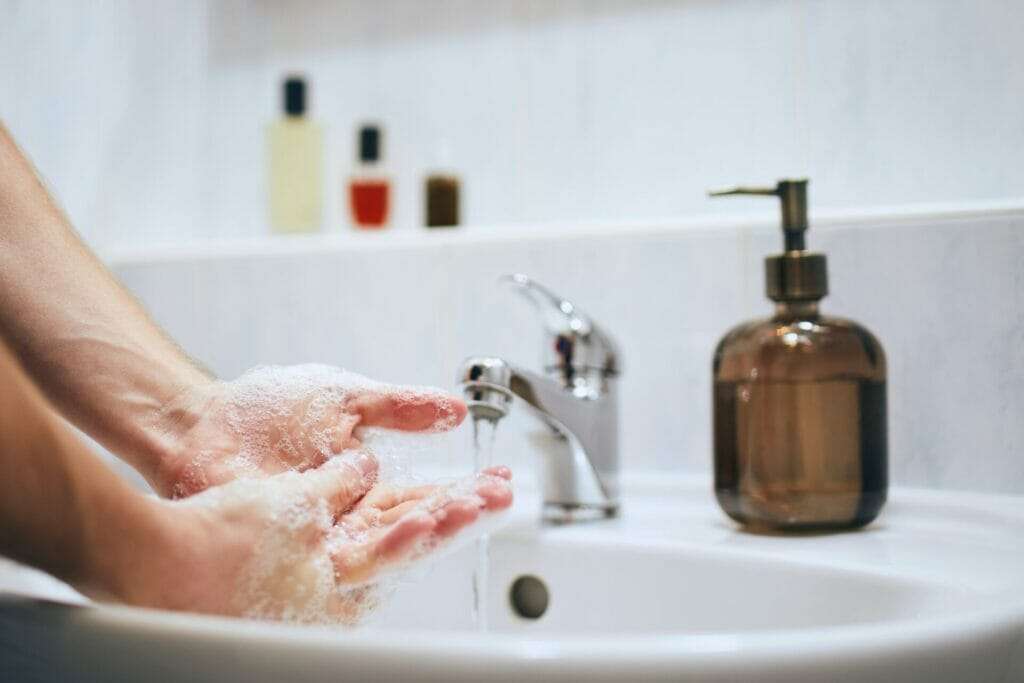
280	513
279	419
303	546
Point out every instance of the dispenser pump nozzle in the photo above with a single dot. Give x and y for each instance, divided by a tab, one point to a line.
793	196
796	274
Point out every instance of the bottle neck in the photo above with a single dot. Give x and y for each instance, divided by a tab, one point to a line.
790	310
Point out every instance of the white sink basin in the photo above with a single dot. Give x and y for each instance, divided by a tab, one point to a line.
933	591
600	588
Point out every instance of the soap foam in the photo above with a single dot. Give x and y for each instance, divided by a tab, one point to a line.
291	579
298	417
292	576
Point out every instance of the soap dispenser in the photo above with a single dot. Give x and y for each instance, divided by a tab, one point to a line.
799	399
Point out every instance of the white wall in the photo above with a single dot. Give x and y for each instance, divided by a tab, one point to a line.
108	98
943	292
148	118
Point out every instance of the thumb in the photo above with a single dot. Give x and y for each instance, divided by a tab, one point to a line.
342	480
411	409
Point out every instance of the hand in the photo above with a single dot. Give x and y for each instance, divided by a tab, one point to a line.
277	419
296	546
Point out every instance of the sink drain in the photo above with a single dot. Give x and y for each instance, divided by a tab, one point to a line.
529	597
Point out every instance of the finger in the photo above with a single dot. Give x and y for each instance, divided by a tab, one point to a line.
496	493
341	441
355	523
499	471
456	515
342	481
337	440
336	427
359	562
492	487
386	497
409	409
392	515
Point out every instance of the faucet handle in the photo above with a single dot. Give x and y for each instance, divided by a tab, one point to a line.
578	347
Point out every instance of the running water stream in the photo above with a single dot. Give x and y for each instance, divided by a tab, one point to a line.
483	450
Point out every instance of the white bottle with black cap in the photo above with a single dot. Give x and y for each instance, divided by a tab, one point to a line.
295	155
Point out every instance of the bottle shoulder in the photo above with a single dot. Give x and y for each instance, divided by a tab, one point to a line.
295	128
793	349
769	329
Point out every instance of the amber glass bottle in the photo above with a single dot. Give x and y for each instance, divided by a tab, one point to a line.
799	401
442	201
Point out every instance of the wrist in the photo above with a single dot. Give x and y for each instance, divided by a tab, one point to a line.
124	534
170	555
173	430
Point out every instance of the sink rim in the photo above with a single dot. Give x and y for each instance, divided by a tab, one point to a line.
874	639
897	636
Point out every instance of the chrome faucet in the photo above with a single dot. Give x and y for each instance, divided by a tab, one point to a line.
576	398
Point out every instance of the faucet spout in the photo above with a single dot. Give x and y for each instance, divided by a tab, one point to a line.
580	470
487	385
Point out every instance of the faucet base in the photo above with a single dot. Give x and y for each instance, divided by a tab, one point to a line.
571	513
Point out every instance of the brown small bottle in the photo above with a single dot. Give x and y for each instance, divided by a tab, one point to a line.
799	400
441	190
442	200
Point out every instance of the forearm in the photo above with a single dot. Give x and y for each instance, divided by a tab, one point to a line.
61	509
85	341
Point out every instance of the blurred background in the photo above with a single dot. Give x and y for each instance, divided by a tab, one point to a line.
149	118
583	135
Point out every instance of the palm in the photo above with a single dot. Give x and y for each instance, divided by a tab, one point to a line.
308	546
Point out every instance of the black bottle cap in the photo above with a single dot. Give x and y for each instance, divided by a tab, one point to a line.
295	96
369	144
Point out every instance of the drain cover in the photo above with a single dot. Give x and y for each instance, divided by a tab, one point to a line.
529	597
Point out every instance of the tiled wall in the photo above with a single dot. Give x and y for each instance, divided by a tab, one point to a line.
943	291
147	118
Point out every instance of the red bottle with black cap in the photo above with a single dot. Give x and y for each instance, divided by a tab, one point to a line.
369	189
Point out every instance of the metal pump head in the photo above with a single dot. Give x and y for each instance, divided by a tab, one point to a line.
796	274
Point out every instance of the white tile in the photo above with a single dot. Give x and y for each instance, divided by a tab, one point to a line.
942	293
